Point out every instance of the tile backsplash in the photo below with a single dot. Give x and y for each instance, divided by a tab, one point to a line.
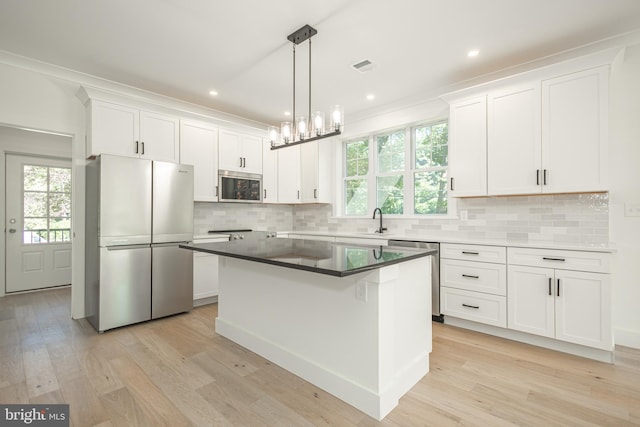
565	218
233	216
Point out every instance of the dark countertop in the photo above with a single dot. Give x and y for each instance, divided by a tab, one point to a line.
334	259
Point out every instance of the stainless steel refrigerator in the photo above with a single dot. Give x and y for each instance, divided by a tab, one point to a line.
137	213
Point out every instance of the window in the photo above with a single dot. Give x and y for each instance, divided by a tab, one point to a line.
390	173
47	204
430	169
355	182
409	173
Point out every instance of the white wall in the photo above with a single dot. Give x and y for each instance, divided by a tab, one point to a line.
35	101
624	154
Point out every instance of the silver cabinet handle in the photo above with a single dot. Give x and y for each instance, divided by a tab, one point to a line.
315	193
298	194
137	144
537	176
544	177
470	306
470	253
558	293
470	276
12	230
217	191
451	184
553	259
142	148
265	194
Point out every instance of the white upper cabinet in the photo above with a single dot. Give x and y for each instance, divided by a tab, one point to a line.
199	147
574	131
159	137
531	134
513	140
125	131
315	172
240	152
289	174
468	147
269	174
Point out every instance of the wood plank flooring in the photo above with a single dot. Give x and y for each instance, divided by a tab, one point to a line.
178	372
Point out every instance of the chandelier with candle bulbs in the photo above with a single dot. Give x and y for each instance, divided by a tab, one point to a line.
312	127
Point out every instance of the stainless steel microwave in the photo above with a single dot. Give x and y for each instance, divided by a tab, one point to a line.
240	187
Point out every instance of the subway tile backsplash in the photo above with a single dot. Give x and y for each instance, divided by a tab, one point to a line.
233	216
565	218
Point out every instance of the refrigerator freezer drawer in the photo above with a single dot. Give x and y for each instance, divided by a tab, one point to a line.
125	286
172	284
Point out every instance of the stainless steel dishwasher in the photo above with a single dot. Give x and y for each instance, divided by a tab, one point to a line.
435	273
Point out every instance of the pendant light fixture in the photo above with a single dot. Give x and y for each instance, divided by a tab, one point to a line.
311	127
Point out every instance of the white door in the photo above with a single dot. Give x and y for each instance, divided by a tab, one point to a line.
468	147
513	129
530	300
38	223
583	313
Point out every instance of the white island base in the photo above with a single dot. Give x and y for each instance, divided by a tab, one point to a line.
364	338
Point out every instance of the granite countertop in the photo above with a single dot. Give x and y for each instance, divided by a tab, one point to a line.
334	259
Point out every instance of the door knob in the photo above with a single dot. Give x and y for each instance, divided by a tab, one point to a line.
12	230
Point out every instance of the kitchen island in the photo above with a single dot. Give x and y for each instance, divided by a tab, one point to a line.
354	320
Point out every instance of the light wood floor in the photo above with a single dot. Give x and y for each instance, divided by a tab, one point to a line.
178	372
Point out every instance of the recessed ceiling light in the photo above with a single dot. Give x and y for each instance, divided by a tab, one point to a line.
473	53
287	113
213	92
371	97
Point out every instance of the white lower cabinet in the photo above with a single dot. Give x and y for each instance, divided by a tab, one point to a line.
205	275
205	271
473	283
568	305
475	306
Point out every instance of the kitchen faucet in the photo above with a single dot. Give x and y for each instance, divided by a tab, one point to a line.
381	229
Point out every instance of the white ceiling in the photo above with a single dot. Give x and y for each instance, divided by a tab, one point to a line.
183	49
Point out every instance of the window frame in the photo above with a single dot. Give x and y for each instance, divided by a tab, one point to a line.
408	173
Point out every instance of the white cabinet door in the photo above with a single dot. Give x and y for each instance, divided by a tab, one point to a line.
199	147
205	275
230	157
583	313
289	174
513	135
159	137
124	131
468	147
574	131
239	152
530	300
309	172
269	174
112	129
251	153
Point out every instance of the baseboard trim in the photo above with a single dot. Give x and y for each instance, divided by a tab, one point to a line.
565	347
626	338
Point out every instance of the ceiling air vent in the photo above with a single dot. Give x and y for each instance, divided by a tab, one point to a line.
363	66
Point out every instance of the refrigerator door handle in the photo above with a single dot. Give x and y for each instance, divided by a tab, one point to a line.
125	247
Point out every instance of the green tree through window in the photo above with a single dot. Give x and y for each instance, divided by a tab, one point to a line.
47	204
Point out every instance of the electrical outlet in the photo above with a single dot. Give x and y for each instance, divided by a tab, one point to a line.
464	215
361	291
632	209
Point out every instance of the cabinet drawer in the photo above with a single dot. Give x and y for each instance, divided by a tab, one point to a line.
496	254
474	276
596	262
475	306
